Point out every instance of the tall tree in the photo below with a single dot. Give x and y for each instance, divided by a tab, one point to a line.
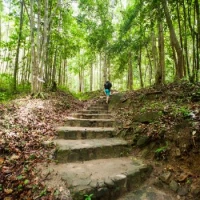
18	46
178	53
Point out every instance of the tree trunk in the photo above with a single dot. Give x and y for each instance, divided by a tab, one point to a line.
105	69
54	67
140	67
185	45
174	42
180	35
65	73
81	79
130	72
60	72
91	77
108	69
155	59
150	66
160	75
34	68
100	72
198	36
18	47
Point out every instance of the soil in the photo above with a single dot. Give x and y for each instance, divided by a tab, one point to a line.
162	127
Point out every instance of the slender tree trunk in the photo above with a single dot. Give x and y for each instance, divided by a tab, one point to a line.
60	72
140	67
54	67
198	36
18	47
130	72
160	74
100	72
81	79
34	68
105	69
0	31
108	68
150	66
65	73
43	59
174	42
180	35
192	30
91	76
185	46
155	59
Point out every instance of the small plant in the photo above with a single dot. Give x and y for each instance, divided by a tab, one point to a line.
181	111
161	152
88	197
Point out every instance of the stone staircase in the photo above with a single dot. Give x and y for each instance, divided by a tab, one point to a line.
92	161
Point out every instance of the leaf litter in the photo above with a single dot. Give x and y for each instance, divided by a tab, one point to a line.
24	126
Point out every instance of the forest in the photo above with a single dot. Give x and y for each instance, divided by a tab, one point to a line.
55	56
79	44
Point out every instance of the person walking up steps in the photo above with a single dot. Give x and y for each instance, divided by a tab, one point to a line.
107	87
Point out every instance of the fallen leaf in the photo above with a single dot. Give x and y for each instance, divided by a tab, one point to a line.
182	177
7	198
1	160
14	157
8	191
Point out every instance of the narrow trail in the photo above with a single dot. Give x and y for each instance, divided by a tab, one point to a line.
92	161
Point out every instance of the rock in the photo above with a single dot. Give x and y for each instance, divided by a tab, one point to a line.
101	192
134	139
183	191
173	185
165	177
147	117
182	177
158	184
145	153
177	152
143	141
195	189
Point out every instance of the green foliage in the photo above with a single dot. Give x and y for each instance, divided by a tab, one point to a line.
156	106
182	111
161	149
43	192
6	81
87	95
88	197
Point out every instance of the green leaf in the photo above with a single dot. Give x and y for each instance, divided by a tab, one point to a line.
26	182
20	177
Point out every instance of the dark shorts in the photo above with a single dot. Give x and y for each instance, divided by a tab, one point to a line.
107	91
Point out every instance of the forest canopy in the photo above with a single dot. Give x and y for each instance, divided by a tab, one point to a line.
79	44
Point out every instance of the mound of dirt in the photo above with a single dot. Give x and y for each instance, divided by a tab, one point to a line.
163	127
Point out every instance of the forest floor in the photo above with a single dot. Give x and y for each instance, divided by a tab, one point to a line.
25	123
161	124
163	127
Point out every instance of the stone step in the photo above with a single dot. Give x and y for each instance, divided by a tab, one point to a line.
92	116
84	132
106	179
90	122
97	108
94	111
148	193
82	150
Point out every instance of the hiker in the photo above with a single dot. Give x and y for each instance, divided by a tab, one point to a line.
107	87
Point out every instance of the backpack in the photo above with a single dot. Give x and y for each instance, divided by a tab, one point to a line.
107	85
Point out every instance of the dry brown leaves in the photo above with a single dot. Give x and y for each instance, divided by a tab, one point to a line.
24	126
